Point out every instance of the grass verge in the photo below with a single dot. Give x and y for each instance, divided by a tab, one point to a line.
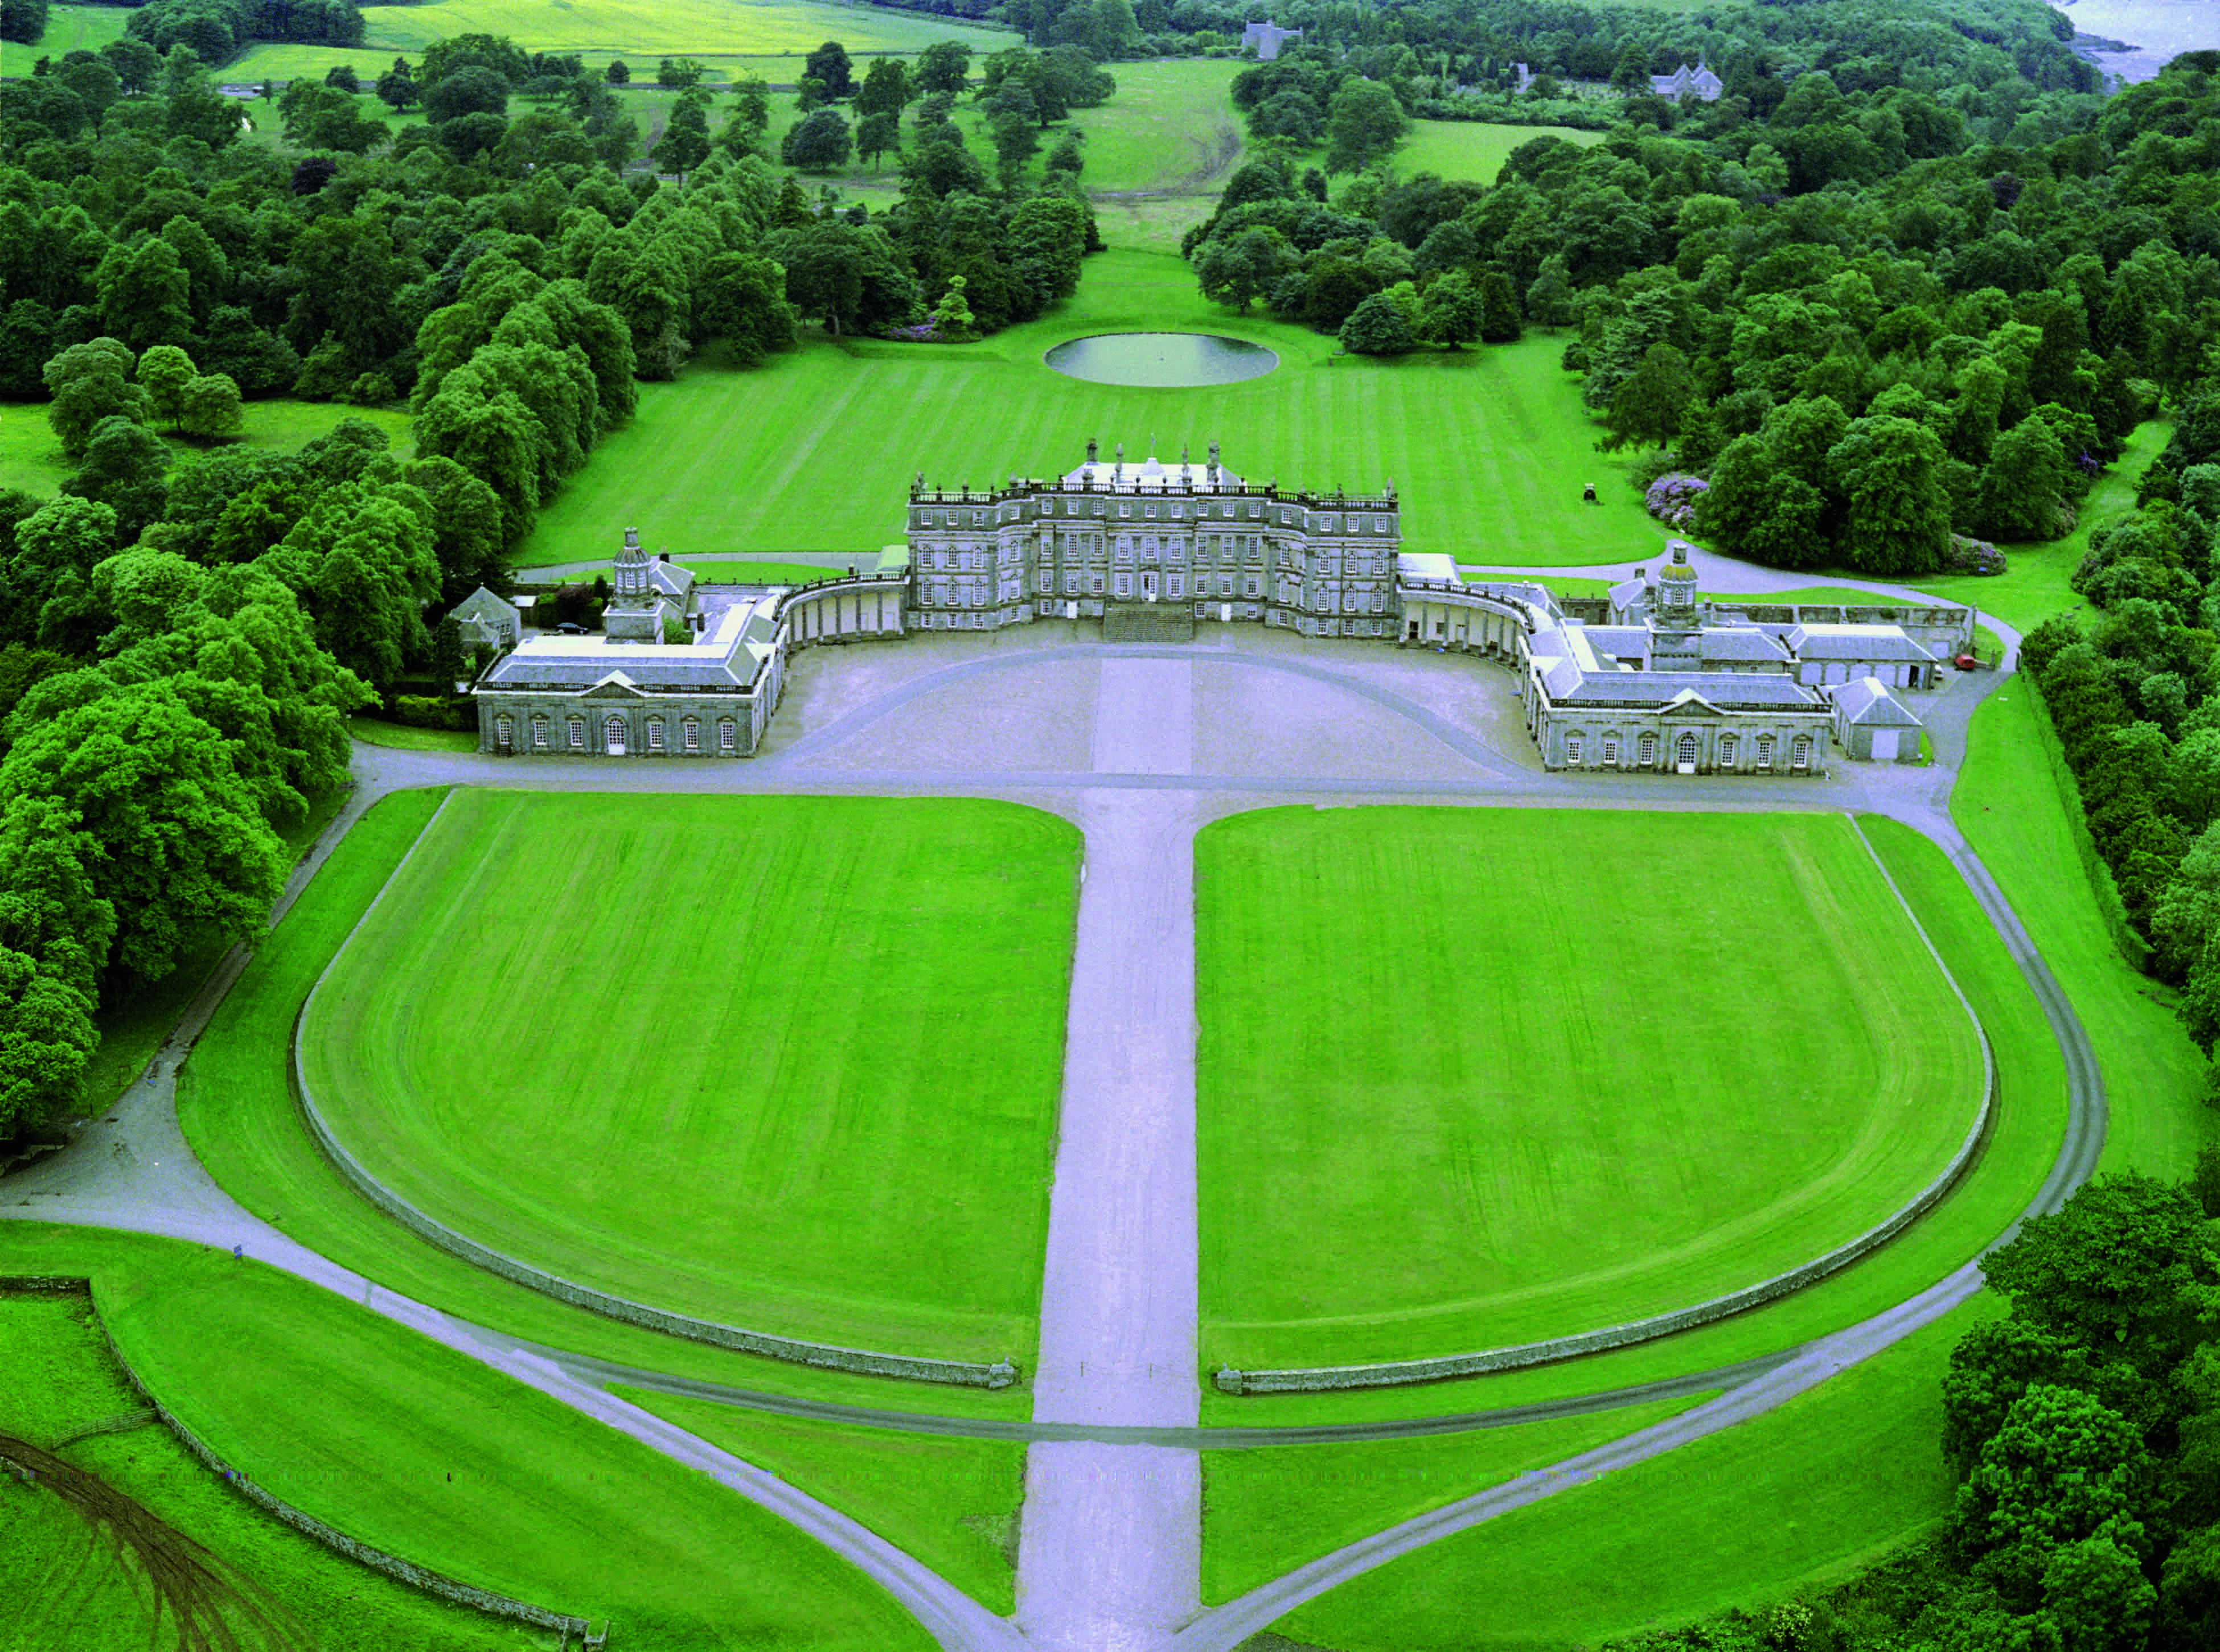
376	730
425	1453
951	1503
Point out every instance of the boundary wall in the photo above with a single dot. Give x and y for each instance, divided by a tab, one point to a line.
407	1572
1315	1379
967	1373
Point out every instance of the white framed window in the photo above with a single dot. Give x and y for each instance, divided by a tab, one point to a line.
1574	748
655	734
1610	750
690	735
1176	583
1125	584
1684	750
539	733
1801	753
1765	751
577	734
1648	750
1253	586
504	728
1124	510
1727	743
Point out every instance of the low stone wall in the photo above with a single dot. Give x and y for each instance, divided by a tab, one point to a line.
960	1373
1322	1378
417	1577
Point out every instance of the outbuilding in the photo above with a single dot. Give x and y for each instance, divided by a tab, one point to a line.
1872	725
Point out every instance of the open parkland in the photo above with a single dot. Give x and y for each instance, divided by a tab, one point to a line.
1118	1014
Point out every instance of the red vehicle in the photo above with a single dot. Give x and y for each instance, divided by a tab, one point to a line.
1967	662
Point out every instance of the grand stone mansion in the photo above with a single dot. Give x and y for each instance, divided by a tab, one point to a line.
1650	677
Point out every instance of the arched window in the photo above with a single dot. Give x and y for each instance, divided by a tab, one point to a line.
1648	751
1685	751
1801	750
612	734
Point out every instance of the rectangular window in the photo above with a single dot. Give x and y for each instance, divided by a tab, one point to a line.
655	734
578	735
693	734
1253	586
538	734
1573	749
1610	752
1125	584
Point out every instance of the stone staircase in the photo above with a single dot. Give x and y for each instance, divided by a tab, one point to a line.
1153	622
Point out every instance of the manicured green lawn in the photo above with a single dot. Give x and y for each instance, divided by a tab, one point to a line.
816	452
2023	820
674	1118
641	31
426	1454
1473	149
1824	1483
31	460
374	731
61	1378
732	573
951	1503
1269	1510
1506	1109
239	1114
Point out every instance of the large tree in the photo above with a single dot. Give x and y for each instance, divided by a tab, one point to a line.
1363	124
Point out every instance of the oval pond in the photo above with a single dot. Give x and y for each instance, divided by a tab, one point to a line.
1161	359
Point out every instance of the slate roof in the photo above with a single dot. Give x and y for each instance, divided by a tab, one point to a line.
728	660
1866	703
1814	641
1744	643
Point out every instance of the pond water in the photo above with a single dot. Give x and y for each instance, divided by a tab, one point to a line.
1161	359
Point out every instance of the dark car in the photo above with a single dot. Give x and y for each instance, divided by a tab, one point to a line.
570	628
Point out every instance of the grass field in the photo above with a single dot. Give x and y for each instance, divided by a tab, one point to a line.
1828	1482
69	28
951	1503
642	31
373	731
61	1378
1673	1123
31	460
238	1113
730	573
816	452
664	967
1462	149
1269	1510
427	1454
2010	805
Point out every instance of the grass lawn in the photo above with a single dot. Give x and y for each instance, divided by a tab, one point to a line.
1823	1484
375	730
426	1454
237	1112
664	970
1269	1510
1474	149
31	460
641	31
707	573
951	1503
69	28
1602	1119
61	1378
816	452
2030	1119
2017	812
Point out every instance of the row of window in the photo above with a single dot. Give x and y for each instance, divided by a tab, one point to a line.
1174	510
1688	750
614	734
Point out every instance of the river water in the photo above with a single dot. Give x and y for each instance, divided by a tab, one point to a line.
2158	31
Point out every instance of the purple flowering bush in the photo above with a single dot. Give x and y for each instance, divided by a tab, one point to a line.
925	332
1965	556
1672	498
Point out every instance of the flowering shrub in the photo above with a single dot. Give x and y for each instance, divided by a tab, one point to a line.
1672	498
925	332
1965	556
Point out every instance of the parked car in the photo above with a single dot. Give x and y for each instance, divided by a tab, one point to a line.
570	628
